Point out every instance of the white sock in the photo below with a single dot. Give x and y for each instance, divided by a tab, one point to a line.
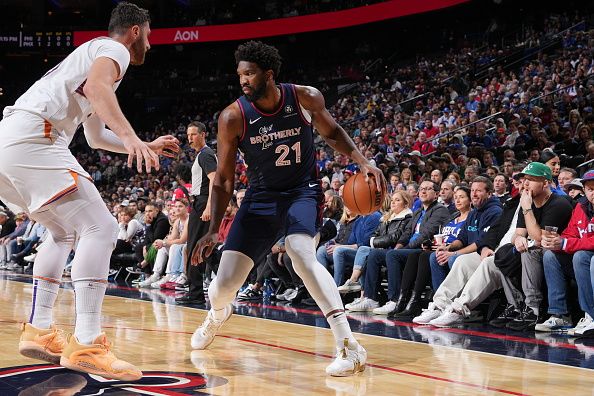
44	297
341	329
89	295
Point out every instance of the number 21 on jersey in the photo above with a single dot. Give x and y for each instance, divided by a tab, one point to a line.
284	151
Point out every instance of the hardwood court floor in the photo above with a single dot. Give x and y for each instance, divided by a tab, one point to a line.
253	356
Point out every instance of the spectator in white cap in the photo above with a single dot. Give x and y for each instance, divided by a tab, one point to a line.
575	190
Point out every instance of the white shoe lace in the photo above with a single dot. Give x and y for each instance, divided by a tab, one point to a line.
210	326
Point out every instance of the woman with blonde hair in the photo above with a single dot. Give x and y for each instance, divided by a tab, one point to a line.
394	220
406	176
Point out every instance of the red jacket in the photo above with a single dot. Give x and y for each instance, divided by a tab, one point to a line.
579	234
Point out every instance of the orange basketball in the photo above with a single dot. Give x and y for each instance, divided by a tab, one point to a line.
361	196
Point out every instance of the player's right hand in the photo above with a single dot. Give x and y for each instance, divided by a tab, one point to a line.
140	151
380	180
204	247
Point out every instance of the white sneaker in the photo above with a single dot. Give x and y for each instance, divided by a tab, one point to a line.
205	334
245	292
162	281
182	279
432	312
30	258
350	287
554	323
585	331
355	301
584	322
448	318
283	296
364	305
386	309
348	361
149	281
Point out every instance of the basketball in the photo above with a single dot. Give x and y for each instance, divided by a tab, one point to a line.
361	196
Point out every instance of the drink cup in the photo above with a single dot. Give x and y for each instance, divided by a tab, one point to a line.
439	238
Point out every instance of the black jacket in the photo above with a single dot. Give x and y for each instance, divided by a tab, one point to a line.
497	231
436	216
387	233
158	229
8	227
344	232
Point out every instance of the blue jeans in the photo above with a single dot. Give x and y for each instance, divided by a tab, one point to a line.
557	270
439	272
361	261
175	262
395	261
323	257
341	257
584	275
375	261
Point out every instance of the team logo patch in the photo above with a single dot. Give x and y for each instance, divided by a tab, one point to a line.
41	380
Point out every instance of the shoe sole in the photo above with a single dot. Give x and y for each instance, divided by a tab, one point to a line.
34	351
65	362
552	329
357	370
212	339
346	291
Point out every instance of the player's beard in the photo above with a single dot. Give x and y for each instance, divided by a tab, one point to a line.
138	52
258	92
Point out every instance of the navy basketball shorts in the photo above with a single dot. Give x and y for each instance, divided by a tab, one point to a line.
260	223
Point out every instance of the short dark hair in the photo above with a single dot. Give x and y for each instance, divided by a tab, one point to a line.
125	15
184	172
158	205
569	170
201	127
265	56
482	179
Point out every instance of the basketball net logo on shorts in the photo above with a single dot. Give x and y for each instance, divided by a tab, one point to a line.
267	136
41	380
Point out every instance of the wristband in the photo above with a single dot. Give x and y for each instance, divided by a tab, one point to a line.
526	211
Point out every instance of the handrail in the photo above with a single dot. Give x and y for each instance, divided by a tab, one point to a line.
559	89
464	126
542	46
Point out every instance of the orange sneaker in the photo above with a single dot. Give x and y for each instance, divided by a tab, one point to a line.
42	344
97	359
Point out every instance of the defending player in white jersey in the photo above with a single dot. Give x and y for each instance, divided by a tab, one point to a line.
40	175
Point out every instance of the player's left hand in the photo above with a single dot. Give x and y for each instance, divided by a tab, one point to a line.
380	180
204	247
167	146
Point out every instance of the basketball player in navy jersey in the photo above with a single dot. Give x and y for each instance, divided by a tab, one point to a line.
272	124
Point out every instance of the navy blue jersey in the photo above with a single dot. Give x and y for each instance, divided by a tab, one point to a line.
278	147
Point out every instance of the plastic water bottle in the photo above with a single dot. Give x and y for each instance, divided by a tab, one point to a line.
267	289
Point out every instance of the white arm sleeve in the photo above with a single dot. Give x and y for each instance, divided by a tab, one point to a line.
100	137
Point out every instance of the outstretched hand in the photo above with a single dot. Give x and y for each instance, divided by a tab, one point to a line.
380	180
204	248
141	152
167	146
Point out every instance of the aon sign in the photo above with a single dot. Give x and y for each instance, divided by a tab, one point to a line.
186	35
